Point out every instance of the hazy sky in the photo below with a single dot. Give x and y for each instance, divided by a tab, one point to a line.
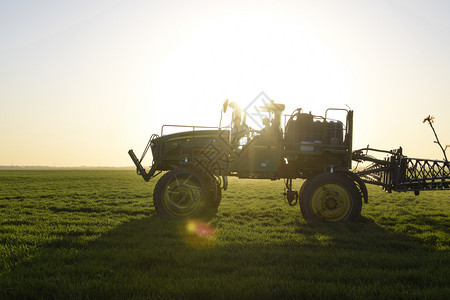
81	82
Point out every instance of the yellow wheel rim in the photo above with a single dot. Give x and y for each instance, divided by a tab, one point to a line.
331	202
182	196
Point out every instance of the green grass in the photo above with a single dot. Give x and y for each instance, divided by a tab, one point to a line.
95	234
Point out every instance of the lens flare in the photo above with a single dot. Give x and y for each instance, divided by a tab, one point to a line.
200	234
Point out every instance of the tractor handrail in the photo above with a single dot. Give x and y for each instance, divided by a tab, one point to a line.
189	126
336	109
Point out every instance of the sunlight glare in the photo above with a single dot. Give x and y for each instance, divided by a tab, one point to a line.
200	234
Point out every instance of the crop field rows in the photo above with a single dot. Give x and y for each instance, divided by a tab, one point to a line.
95	234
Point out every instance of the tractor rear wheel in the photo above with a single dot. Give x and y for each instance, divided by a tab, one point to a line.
182	193
331	198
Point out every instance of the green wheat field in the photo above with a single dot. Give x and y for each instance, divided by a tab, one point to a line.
71	234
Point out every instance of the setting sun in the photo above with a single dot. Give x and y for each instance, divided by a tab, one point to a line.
82	83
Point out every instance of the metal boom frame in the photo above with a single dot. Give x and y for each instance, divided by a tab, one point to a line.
400	173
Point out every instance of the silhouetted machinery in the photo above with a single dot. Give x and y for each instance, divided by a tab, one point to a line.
315	148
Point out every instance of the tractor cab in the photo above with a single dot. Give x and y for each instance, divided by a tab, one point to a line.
256	151
271	134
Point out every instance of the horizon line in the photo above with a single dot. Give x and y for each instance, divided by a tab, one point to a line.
63	167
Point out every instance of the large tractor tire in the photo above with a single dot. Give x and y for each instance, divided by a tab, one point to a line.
330	198
184	193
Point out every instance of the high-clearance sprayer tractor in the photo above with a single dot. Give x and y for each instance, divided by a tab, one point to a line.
315	148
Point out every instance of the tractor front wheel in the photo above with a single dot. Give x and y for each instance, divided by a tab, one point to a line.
331	198
181	193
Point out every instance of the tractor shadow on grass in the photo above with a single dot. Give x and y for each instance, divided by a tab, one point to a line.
72	266
151	257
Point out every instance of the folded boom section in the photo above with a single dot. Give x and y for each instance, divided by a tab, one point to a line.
400	173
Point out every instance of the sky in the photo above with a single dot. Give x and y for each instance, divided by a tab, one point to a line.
82	82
